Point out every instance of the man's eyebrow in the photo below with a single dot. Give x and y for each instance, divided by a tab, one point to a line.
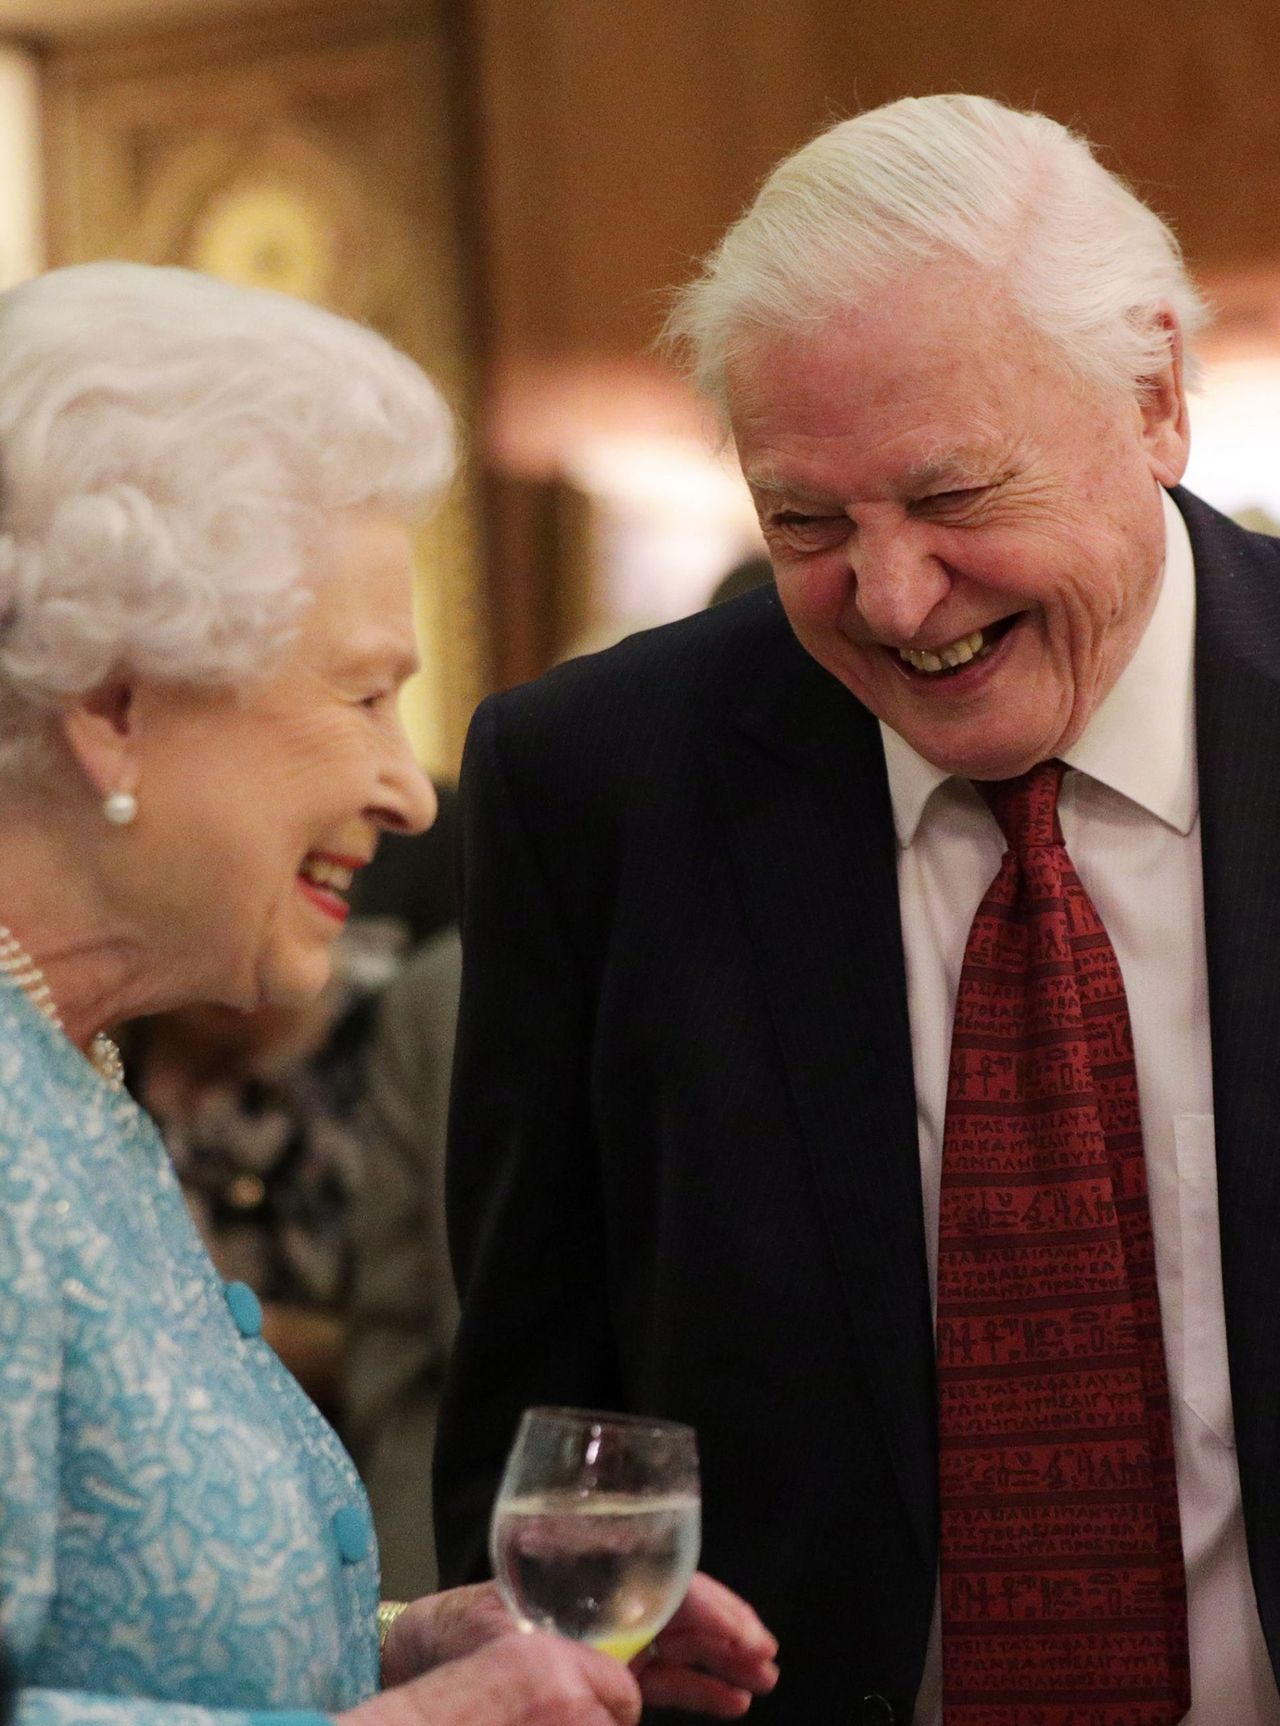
769	483
957	468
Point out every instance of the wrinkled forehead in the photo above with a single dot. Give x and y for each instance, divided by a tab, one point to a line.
947	329
919	391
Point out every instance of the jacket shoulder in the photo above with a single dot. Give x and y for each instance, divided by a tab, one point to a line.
712	653
1237	587
661	686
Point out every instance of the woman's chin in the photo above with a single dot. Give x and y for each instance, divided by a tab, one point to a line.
295	982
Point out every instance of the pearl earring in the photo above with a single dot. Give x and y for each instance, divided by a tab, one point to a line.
120	808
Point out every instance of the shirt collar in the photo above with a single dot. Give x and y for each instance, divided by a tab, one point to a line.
1141	741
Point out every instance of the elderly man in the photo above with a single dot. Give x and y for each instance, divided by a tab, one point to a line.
855	973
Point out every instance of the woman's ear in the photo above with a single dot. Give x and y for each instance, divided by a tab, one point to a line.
101	729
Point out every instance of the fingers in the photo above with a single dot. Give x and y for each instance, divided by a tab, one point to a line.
712	1657
712	1606
745	1668
555	1680
697	1692
516	1680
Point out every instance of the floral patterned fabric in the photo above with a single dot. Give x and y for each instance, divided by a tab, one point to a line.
178	1525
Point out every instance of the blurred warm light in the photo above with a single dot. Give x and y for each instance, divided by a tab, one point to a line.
541	414
672	516
642	471
669	511
1235	436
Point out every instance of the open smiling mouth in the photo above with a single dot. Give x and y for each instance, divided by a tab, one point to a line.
954	656
325	881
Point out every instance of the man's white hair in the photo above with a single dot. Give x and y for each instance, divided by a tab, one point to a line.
918	180
169	447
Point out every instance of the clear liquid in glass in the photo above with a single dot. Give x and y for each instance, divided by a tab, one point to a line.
604	1568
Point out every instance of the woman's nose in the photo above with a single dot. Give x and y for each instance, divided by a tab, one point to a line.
410	796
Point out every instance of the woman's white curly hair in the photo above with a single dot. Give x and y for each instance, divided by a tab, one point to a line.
1085	261
169	445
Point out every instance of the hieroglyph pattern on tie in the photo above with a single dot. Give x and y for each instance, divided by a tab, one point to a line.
1063	1594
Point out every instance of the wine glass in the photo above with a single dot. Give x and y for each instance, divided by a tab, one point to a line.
596	1525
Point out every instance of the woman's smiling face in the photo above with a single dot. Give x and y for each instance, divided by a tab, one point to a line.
255	806
962	533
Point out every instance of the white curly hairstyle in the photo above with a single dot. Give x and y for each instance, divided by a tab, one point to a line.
169	444
1085	261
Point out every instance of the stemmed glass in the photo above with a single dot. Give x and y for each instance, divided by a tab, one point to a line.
596	1525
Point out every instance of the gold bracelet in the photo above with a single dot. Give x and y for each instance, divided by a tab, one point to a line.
388	1612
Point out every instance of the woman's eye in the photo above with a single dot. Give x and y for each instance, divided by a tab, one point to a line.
373	702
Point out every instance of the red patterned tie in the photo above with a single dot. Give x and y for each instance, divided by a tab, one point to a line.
1063	1593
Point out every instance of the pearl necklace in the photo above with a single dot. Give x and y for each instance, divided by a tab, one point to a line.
17	963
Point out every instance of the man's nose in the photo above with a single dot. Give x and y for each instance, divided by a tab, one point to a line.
898	582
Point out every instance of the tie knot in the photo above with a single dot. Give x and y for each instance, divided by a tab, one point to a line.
1027	807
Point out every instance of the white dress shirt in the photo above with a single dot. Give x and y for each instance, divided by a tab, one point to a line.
1131	821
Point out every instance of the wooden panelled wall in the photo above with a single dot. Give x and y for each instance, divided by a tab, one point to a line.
618	140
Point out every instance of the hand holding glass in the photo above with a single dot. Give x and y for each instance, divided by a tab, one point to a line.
596	1526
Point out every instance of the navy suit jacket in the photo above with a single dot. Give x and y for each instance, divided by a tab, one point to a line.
684	1171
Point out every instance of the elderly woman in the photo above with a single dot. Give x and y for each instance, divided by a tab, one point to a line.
205	618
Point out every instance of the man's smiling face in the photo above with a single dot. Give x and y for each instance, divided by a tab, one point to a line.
965	535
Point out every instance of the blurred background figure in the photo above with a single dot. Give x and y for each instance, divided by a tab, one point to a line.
751	573
407	894
252	1109
402	1307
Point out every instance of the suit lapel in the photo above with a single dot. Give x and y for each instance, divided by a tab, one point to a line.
805	802
1238	748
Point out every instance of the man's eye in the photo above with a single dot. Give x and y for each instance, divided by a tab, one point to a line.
963	497
810	527
373	702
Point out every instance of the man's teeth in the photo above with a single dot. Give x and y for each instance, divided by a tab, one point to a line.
327	874
944	658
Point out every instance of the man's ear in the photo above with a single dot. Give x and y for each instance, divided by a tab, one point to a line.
101	730
1166	425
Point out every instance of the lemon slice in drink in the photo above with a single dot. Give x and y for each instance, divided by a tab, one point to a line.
623	1647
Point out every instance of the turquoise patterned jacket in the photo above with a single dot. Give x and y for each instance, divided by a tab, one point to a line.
182	1537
